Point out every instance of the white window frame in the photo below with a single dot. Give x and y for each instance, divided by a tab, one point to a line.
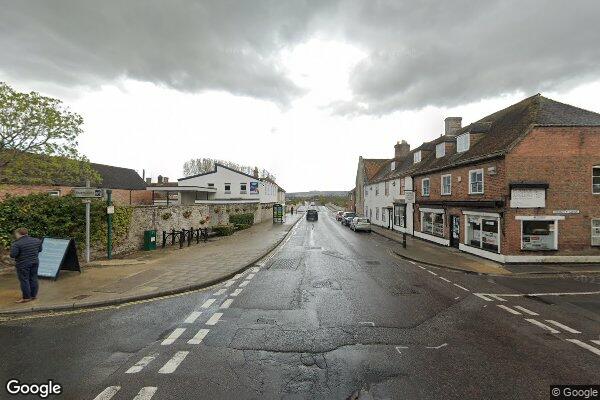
417	157
480	170
440	150
595	224
463	142
423	187
554	218
54	193
597	167
481	216
243	188
386	188
444	193
227	191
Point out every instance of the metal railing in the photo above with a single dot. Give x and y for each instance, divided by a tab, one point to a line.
184	235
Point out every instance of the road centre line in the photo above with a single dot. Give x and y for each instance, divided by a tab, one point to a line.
564	327
510	310
108	393
584	345
243	283
444	279
220	292
208	303
226	303
432	273
197	339
146	393
412	262
541	325
422	267
461	287
173	336
542	294
173	363
236	292
214	319
140	365
192	317
525	310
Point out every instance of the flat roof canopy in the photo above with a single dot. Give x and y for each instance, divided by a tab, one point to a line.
182	189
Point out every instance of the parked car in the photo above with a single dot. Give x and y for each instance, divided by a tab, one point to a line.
360	224
312	215
347	217
339	215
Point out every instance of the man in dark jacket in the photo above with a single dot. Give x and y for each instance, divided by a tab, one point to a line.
25	250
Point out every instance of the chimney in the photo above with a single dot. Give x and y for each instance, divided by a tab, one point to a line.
159	179
453	124
401	150
165	180
255	172
148	180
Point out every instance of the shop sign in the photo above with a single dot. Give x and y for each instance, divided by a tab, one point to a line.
565	212
528	198
409	197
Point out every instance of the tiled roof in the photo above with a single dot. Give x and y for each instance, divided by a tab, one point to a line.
119	177
371	166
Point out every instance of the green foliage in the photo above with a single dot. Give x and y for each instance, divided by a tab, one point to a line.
166	216
224	230
242	219
35	169
60	217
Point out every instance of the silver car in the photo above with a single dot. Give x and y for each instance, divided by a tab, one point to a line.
360	224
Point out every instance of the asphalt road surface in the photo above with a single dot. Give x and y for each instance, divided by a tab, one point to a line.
332	314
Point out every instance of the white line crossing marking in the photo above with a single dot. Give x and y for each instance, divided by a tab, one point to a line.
494	296
444	279
585	346
197	339
192	317
208	303
510	310
146	393
255	269
229	283
412	262
250	276
432	273
173	363
226	303
108	393
236	292
173	336
244	283
214	318
237	276
596	342
140	365
526	311
421	267
562	326
220	292
461	287
541	325
481	296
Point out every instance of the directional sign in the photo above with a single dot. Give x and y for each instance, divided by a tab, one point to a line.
57	254
88	192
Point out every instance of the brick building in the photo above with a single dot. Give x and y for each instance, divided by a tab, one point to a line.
520	185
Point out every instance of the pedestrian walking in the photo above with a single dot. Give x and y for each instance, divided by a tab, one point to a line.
25	250
292	210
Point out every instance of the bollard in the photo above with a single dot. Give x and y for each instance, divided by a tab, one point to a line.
164	239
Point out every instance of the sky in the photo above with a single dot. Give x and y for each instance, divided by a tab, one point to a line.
301	88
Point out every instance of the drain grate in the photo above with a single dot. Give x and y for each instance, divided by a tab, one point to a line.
285	263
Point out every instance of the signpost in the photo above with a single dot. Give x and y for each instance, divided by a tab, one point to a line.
87	193
57	254
110	209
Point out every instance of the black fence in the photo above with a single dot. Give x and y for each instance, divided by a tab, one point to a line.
184	235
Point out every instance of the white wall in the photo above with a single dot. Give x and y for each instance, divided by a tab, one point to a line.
374	201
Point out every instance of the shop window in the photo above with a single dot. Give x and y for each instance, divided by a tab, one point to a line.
483	232
476	181
596	232
425	187
539	235
432	223
446	184
596	180
400	215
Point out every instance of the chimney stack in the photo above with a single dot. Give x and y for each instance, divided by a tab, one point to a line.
453	124
148	180
165	180
401	149
256	172
159	179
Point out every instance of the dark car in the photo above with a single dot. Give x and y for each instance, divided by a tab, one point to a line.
312	215
347	218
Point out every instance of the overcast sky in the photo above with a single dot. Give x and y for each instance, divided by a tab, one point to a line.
301	88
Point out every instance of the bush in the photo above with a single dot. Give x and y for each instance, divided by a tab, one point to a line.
224	230
241	227
242	219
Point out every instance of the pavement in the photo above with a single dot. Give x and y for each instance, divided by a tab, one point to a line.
149	274
329	314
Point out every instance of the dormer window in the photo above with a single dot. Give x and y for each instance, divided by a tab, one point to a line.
440	150
462	142
417	156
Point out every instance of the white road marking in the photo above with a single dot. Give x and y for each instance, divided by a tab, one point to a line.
255	269
250	276
481	296
421	267
585	346
214	318
432	273
596	342
444	279
237	276
494	296
208	303
370	323
541	325
173	336
173	363
108	393
398	348
461	287
510	310
526	311
229	283
146	393
456	298
197	339
412	262
192	317
562	326
437	347
545	294
140	365
236	292
220	292
244	283
226	303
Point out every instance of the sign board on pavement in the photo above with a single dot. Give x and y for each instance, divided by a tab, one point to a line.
57	254
88	192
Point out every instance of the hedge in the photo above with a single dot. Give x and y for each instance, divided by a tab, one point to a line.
242	219
224	230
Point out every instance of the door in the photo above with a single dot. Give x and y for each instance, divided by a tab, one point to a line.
455	230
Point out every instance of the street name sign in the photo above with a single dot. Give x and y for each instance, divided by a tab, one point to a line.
88	192
57	254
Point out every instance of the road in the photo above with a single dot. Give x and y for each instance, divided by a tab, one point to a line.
331	314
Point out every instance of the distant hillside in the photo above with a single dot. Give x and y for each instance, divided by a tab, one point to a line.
317	193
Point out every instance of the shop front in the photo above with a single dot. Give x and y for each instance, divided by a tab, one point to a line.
482	234
432	225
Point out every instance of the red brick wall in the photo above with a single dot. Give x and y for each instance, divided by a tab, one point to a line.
120	196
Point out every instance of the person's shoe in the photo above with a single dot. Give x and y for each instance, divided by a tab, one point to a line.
33	298
23	301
